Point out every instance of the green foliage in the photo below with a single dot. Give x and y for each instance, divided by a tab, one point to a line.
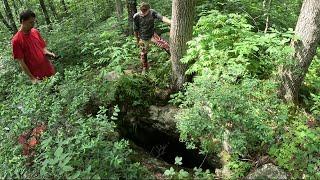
134	90
232	98
299	150
233	50
197	173
316	105
280	16
80	149
232	102
110	48
249	115
312	85
79	142
74	145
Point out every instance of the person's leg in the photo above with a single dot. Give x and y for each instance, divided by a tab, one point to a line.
161	42
144	46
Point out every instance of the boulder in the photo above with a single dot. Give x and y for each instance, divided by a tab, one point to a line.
163	119
268	171
152	125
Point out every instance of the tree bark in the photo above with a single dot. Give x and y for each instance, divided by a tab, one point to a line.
5	22
181	32
308	30
53	8
266	8
10	16
119	13
119	9
45	13
132	9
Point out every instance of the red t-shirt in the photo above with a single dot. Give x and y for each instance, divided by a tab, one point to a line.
29	47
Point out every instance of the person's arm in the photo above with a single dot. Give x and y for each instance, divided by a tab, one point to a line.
136	27
47	52
166	20
44	45
18	55
26	70
160	17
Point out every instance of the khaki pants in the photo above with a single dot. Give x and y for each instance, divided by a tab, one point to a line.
145	45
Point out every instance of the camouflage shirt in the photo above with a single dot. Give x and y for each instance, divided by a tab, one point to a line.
145	24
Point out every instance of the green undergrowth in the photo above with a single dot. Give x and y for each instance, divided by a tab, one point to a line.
79	106
232	104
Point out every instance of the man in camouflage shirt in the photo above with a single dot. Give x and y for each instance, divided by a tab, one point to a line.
144	31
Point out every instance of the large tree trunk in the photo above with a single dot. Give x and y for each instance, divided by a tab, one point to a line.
45	13
53	8
308	30
132	9
181	32
119	13
10	16
5	22
119	9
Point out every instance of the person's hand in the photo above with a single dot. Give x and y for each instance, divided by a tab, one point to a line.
34	80
50	54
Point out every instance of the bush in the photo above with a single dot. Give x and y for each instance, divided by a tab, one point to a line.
298	149
247	116
232	104
233	50
77	142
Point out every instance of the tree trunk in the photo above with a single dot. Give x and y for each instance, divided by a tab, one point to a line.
5	22
308	30
119	9
45	13
119	13
266	8
10	16
64	6
132	9
53	8
181	32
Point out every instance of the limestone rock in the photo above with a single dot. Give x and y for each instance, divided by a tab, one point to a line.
163	118
268	171
160	119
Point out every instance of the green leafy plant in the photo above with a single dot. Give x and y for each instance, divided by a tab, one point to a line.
231	107
233	50
298	151
197	173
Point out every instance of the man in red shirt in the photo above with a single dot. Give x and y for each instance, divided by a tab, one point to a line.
30	49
